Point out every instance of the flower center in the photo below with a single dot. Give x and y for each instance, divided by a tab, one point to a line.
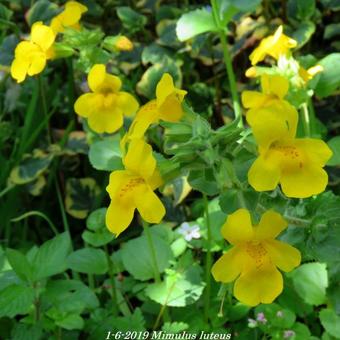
257	252
130	185
291	157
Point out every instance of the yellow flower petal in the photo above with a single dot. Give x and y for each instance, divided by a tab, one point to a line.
127	103
238	227
275	122
149	205
270	226
317	151
171	109
274	84
264	174
261	285
37	64
42	35
139	158
164	88
283	255
253	99
228	267
19	69
307	181
108	121
155	181
96	76
86	104
119	216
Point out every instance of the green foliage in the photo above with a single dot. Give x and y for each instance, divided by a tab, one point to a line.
310	281
88	261
194	23
329	80
137	259
180	288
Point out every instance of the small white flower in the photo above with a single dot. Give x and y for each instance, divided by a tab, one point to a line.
189	232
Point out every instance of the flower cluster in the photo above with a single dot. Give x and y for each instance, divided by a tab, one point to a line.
133	187
294	163
31	55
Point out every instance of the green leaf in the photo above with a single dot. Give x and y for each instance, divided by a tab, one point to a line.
70	296
305	9
31	167
15	300
96	220
106	155
42	10
7	48
334	144
331	322
147	85
194	23
329	80
70	321
50	259
88	261
22	331
134	322
81	194
131	20
137	260
332	30
174	327
155	54
304	32
310	281
179	289
99	235
20	264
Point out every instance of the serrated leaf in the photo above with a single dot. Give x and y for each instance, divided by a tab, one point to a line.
20	264
15	300
194	23
50	259
88	261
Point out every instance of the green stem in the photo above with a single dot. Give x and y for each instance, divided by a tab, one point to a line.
6	190
37	213
312	116
44	106
157	275
306	120
112	280
228	63
208	262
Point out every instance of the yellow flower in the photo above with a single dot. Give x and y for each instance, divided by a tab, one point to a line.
105	106
69	17
296	163
133	188
123	43
167	106
307	75
274	45
255	256
31	56
274	87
